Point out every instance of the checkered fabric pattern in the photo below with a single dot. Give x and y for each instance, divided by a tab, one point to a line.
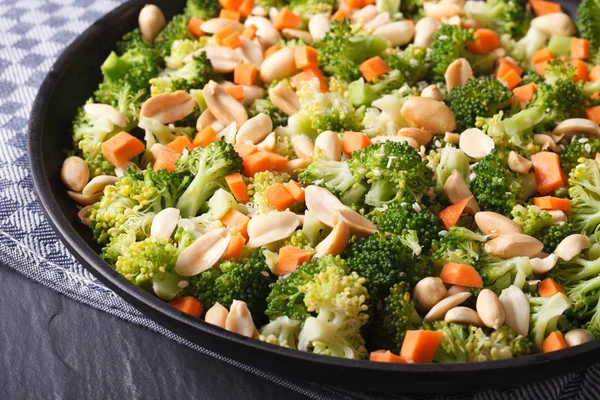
32	35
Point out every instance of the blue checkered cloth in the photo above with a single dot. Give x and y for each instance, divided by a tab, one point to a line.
32	35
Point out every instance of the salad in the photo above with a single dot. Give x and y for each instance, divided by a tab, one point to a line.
393	180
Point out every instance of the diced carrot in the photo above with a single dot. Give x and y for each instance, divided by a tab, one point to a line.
580	49
257	162
238	187
486	41
180	143
420	346
581	70
194	27
552	203
237	92
544	54
237	221
229	14
278	162
595	96
595	74
369	2
354	141
245	74
245	9
222	34
544	7
295	190
548	174
462	275
526	92
121	148
504	64
451	214
230	4
593	114
272	50
189	305
385	356
166	160
244	149
289	259
279	197
540	68
306	57
373	68
286	19
548	288
554	342
511	78
309	74
250	32
233	40
204	137
235	248
339	15
355	3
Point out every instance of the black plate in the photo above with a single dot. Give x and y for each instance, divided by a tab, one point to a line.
69	84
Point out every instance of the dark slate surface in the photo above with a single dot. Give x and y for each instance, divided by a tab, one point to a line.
54	347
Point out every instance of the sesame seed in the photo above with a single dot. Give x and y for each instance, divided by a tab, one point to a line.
443	232
362	171
583	140
264	273
416	207
438	143
588	147
182	284
376	172
472	176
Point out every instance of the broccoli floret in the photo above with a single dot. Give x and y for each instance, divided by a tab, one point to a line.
397	217
523	49
258	183
481	97
397	315
515	132
532	219
283	331
452	346
575	270
278	117
180	49
576	149
385	260
584	191
321	112
126	204
341	51
544	315
361	93
391	170
308	8
459	245
336	177
411	8
193	75
510	17
156	132
495	187
411	62
554	234
338	299
451	159
301	241
203	9
498	273
286	299
500	344
588	21
152	258
176	29
209	165
247	281
585	298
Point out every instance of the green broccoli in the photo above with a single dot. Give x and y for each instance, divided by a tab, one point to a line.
481	97
259	183
452	347
523	49
451	159
585	298
494	186
361	93
545	313
532	219
510	17
247	281
588	21
584	191
515	132
192	75
578	148
397	217
411	8
176	29
282	331
397	315
500	344
392	170
338	299
209	165
459	245
342	51
152	258
411	62
308	8
278	117
575	270
554	234
203	9
499	273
